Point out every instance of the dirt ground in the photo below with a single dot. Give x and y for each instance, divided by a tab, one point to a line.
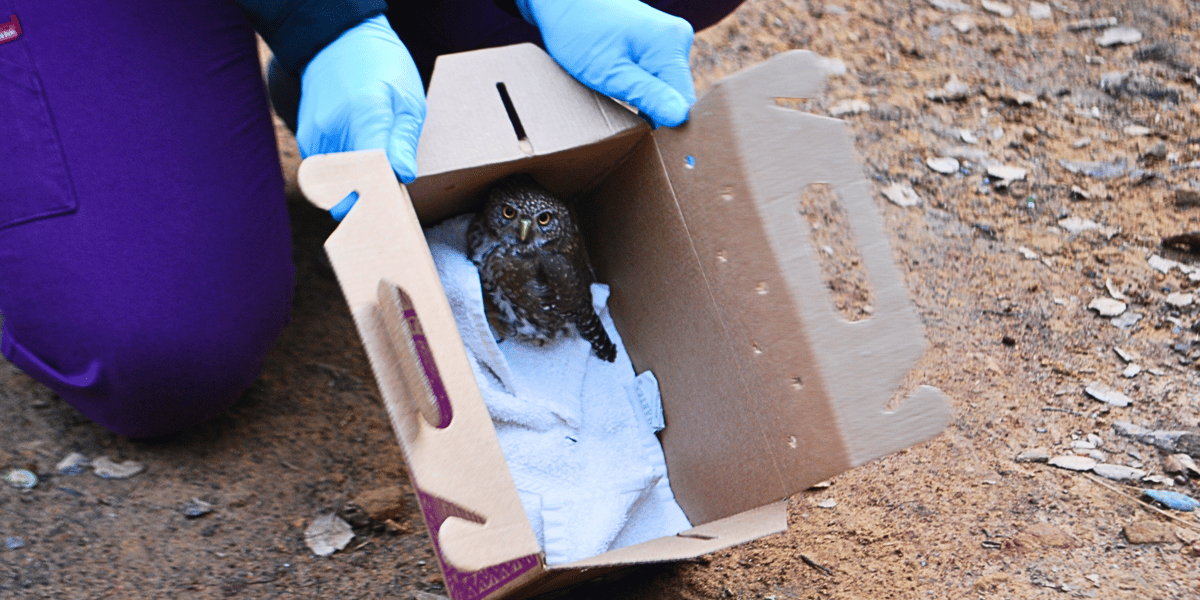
1001	286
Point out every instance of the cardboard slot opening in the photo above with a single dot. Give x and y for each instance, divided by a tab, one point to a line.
837	252
514	118
411	347
696	536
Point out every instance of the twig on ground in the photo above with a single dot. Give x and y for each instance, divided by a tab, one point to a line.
1185	523
812	563
1063	410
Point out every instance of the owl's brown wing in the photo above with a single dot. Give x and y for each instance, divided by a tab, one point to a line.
559	284
567	284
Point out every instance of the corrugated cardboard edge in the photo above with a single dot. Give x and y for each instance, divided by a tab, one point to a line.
766	147
382	239
888	344
782	152
725	533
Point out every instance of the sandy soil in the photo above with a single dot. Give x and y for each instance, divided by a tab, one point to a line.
1001	286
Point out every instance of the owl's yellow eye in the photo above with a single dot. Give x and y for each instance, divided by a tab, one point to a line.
543	219
509	212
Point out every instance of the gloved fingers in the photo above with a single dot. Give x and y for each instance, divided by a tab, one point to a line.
656	98
402	142
665	55
391	123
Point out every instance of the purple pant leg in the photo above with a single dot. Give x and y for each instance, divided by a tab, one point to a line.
145	256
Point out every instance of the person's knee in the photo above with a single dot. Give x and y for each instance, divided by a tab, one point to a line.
149	376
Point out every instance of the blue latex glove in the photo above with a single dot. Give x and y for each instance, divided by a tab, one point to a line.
621	48
363	92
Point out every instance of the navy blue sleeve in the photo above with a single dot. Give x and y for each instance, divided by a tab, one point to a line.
297	29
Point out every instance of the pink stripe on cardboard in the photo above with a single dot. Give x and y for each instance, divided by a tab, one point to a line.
11	30
461	585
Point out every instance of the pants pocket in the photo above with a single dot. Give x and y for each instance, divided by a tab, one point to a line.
34	181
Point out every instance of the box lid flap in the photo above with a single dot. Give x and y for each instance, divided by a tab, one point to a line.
420	363
523	107
710	537
738	170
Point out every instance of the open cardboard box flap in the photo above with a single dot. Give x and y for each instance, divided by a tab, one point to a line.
715	288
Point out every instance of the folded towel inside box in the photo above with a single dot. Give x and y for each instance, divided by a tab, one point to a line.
577	432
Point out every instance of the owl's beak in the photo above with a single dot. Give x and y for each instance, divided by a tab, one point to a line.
526	227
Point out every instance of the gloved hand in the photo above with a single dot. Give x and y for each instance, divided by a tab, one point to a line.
621	48
363	92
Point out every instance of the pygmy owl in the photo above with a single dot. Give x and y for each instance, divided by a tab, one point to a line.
532	266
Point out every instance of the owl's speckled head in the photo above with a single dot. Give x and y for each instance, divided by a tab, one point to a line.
521	211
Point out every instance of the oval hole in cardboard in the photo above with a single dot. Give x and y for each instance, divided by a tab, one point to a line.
837	252
412	350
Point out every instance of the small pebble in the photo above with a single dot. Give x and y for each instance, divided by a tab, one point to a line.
964	24
1149	532
328	534
827	503
1106	394
944	165
901	194
1003	10
105	468
1007	172
1131	371
1118	472
1034	455
196	508
73	464
1107	307
950	6
21	478
1076	225
1073	462
1127	320
1180	299
1119	35
1039	11
1180	464
14	542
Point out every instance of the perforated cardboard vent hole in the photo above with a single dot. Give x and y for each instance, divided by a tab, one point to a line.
837	252
514	118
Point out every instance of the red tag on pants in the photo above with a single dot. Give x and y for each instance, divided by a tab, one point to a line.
11	30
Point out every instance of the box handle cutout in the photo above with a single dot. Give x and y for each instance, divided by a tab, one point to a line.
837	252
522	139
412	350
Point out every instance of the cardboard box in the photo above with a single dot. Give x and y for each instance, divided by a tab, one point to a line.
715	288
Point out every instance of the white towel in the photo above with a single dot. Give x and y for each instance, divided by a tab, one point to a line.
577	431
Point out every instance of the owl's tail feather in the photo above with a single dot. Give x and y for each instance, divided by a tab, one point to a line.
592	330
